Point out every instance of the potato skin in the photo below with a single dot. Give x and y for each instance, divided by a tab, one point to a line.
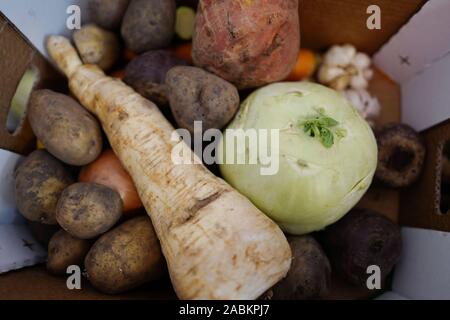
65	250
310	273
97	46
148	24
146	74
67	130
39	181
249	43
125	257
108	14
195	94
86	210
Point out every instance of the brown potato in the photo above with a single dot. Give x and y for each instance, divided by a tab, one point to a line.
86	210
196	95
249	43
39	181
148	24
108	14
309	276
97	46
66	129
146	74
125	257
65	250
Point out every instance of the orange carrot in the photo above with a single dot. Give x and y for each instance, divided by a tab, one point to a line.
305	66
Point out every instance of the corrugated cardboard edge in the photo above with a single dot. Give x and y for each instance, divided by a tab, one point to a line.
16	55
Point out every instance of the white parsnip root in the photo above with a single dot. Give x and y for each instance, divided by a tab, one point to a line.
217	244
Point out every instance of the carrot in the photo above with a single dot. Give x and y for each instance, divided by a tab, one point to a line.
217	244
305	66
184	51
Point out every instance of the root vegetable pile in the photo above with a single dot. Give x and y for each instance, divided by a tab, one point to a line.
216	243
103	192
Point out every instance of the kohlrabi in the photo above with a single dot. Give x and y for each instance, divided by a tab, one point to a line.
312	163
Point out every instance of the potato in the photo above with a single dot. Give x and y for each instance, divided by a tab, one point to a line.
86	210
146	74
249	43
125	257
97	46
148	24
108	14
39	182
195	94
309	276
67	130
65	250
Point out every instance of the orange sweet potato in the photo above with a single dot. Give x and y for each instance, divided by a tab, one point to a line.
247	42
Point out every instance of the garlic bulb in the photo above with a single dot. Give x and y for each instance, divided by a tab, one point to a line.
344	67
367	105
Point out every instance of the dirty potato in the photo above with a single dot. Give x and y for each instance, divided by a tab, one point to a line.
86	210
148	24
125	257
67	130
196	95
65	250
97	46
108	14
39	181
146	74
310	273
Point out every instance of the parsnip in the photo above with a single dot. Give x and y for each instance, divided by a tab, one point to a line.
217	244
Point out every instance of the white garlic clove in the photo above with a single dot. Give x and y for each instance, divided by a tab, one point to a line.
361	61
339	56
367	73
327	73
367	105
359	82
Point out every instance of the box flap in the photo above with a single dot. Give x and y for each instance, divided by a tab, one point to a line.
423	272
419	43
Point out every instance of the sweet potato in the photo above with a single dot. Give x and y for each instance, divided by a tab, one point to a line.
247	42
217	244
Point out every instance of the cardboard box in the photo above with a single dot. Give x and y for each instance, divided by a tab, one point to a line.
411	54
